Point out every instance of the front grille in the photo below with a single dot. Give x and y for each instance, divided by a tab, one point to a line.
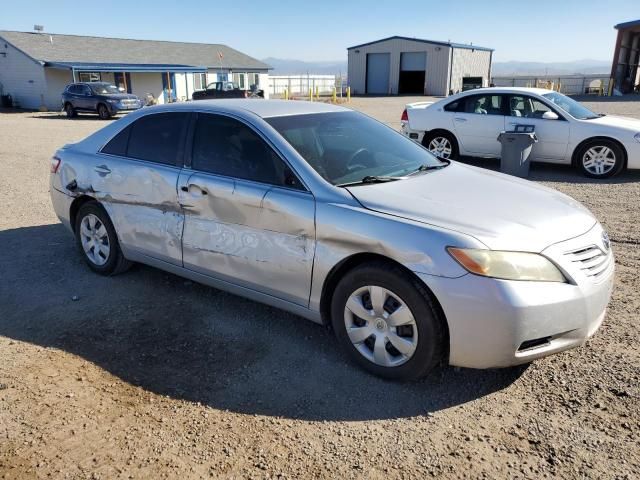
592	261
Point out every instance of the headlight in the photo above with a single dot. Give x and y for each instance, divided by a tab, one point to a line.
507	265
637	137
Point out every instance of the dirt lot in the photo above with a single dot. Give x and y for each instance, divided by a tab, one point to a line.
146	375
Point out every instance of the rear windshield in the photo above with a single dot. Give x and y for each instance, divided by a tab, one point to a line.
344	147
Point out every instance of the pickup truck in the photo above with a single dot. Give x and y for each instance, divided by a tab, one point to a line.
225	90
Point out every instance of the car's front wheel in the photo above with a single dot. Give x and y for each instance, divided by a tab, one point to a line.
70	111
441	144
97	240
103	112
600	158
387	322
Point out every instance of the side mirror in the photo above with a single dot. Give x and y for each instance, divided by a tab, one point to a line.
550	116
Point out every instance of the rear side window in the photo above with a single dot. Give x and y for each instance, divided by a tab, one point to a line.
484	104
158	138
452	107
118	144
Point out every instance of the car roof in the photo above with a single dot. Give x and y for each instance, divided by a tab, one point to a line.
538	91
262	108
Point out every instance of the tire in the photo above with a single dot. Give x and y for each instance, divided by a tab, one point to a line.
600	158
93	229
103	112
371	341
442	144
70	111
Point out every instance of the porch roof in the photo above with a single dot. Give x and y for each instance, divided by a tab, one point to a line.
125	67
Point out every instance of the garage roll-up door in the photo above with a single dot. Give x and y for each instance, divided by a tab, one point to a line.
412	72
378	73
413	61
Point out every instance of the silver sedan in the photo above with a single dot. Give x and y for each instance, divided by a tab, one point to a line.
326	213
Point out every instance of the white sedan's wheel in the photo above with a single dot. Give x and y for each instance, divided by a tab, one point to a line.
95	240
441	147
381	326
599	160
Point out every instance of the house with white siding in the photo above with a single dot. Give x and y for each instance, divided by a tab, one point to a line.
35	67
402	66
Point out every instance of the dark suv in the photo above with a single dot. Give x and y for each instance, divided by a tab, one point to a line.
97	97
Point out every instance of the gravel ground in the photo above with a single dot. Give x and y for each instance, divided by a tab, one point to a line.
147	375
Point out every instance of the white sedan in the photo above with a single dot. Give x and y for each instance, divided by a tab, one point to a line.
569	133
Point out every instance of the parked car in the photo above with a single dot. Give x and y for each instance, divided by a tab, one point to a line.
226	90
331	215
568	132
97	97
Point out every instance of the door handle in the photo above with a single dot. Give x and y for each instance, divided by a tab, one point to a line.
460	119
185	188
103	169
514	123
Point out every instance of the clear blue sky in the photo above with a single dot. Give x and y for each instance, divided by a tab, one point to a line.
538	30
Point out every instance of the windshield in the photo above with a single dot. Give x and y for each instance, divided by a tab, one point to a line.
345	147
104	89
573	108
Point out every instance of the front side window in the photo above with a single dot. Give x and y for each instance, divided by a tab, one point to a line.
345	147
527	107
158	137
483	104
225	146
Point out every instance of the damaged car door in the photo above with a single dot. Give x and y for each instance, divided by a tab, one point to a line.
135	177
248	218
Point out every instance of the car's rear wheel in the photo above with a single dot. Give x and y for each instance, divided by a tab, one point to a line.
600	158
387	322
70	111
103	112
97	240
441	144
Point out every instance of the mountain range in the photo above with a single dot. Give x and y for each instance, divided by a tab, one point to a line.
337	67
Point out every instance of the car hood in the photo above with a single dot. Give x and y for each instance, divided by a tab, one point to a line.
503	212
616	121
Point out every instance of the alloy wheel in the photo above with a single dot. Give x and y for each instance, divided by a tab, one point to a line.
599	160
95	240
381	326
441	147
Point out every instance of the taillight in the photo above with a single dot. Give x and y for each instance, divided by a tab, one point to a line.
405	116
55	164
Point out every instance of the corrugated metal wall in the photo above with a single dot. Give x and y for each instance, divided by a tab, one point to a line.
437	72
469	63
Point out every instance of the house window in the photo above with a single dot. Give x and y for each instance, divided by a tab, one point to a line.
89	76
242	80
256	79
199	81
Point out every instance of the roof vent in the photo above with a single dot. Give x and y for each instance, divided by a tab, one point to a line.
38	28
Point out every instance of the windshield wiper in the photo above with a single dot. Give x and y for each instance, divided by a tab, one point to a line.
371	179
426	168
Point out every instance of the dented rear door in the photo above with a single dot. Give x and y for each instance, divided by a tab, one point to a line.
135	177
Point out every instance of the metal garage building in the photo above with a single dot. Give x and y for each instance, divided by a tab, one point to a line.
401	65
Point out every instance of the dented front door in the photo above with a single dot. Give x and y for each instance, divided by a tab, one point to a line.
248	233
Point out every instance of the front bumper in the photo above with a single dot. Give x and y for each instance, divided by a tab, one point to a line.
633	154
120	108
499	323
